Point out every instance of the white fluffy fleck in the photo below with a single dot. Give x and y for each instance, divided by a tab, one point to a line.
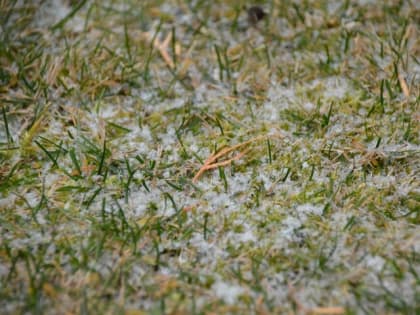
227	291
375	263
7	202
305	209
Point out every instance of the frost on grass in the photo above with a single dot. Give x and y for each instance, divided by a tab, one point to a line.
99	210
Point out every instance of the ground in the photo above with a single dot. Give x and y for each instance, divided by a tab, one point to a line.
186	157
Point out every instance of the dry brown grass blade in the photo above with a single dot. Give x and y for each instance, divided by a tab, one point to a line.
162	47
211	163
333	310
164	53
404	86
215	165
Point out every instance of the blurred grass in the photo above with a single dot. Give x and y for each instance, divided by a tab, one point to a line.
100	137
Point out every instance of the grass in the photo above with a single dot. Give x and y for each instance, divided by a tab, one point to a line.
166	157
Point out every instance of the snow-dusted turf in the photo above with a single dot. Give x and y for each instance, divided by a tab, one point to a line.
109	109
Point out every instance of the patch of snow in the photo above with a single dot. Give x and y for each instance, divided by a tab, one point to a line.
8	201
309	106
380	181
290	225
51	12
306	209
375	263
227	291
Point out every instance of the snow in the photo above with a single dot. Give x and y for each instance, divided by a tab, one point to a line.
51	12
306	209
374	262
287	208
7	202
227	291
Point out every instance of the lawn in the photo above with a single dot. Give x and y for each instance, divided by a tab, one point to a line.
201	157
